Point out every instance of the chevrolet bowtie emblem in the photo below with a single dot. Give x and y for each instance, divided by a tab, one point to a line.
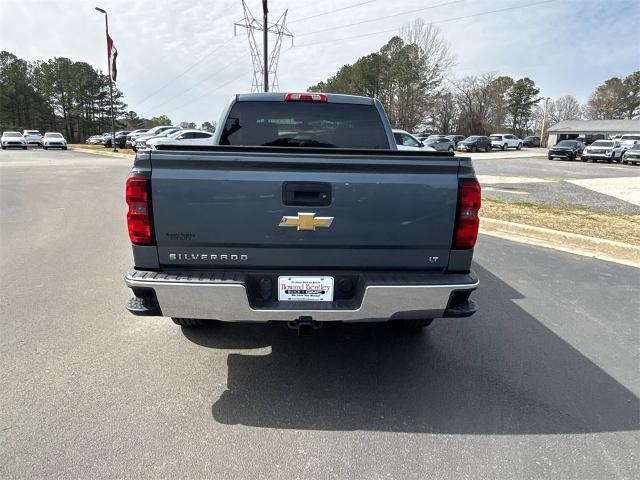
306	221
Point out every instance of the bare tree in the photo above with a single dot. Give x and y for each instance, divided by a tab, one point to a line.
566	107
475	99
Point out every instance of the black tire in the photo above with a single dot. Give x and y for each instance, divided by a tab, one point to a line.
188	322
450	149
551	158
4	148
64	148
488	148
584	159
412	326
519	147
24	148
505	147
572	157
45	148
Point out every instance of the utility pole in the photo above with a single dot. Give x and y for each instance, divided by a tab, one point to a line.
265	44
265	65
544	120
113	121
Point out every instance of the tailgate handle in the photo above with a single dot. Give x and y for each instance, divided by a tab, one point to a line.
306	194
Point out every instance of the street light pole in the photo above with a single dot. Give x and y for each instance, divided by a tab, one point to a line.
113	121
544	119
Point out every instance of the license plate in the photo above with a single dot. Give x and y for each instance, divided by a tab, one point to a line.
314	289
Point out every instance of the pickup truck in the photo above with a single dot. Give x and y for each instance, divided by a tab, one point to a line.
303	211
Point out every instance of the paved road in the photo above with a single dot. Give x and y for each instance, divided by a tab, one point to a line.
611	188
542	383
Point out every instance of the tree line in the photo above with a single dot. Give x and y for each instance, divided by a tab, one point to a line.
411	77
64	96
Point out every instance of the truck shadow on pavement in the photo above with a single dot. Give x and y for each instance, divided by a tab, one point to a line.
499	372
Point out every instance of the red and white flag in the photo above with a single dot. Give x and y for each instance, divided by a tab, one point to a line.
112	55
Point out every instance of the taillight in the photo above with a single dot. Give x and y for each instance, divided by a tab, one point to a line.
138	216
305	97
467	221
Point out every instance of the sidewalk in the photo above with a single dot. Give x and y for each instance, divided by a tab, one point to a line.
107	151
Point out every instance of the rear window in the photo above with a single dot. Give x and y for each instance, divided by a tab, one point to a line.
304	124
496	137
630	137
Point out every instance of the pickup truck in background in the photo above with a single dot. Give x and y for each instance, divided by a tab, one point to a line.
303	211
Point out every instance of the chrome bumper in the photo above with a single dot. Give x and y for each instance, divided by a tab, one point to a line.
199	296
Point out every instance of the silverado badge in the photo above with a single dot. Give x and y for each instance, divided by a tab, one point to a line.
306	221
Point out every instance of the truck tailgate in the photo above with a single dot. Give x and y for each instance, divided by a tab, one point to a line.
386	209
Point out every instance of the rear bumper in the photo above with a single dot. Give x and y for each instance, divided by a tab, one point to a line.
225	297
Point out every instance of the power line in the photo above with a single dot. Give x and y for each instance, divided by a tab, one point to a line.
381	18
446	20
331	11
212	90
192	87
184	72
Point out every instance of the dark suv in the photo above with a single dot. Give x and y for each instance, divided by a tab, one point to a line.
475	143
531	141
121	139
566	150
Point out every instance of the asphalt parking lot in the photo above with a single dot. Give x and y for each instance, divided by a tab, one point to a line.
613	188
541	383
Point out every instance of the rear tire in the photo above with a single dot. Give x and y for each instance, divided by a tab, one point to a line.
412	326
189	322
488	149
505	147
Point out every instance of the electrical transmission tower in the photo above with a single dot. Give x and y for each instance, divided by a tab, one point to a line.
265	65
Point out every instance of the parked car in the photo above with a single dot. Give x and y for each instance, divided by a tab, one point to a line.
566	149
455	139
152	132
627	141
121	139
406	141
531	141
32	137
632	155
183	137
475	143
504	141
13	139
383	236
141	142
54	140
442	144
608	150
589	138
129	143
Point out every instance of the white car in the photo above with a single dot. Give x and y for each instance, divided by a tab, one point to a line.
607	150
153	132
141	142
627	141
13	139
183	137
54	140
32	137
504	141
406	141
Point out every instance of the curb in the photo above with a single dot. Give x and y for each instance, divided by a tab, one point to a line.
107	153
609	250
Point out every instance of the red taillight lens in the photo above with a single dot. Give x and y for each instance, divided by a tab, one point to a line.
467	221
305	97
138	217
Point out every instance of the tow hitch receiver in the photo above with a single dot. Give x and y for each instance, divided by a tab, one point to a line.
304	325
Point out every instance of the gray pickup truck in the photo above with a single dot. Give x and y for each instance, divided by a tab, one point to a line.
303	212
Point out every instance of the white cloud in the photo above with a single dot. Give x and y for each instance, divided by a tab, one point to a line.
567	46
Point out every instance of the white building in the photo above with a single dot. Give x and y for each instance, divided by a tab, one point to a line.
591	129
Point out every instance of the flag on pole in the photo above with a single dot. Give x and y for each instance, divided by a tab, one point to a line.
112	55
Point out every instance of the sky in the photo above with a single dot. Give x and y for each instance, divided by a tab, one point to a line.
180	57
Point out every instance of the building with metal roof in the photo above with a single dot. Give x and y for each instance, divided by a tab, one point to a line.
568	129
